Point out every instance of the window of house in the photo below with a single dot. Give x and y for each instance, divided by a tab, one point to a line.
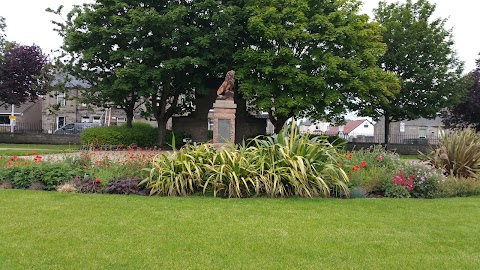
85	119
60	121
61	99
96	119
365	126
4	120
422	132
84	105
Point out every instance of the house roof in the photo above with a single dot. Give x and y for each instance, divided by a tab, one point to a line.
347	128
306	122
72	81
422	122
7	109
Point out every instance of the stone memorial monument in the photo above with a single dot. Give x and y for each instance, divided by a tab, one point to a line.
224	110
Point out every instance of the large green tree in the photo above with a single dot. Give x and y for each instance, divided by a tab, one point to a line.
154	53
421	53
467	112
311	58
2	36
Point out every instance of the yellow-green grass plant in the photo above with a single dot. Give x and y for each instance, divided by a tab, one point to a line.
281	166
458	153
177	174
298	165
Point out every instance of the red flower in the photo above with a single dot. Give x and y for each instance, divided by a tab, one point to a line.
38	159
354	169
379	158
9	164
364	163
357	167
34	153
97	180
350	156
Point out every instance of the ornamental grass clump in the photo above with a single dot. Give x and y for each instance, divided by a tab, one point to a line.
291	164
458	154
284	165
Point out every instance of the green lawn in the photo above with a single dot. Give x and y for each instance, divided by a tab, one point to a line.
409	156
49	230
39	149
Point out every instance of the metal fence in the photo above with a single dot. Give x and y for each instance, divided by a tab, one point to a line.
393	139
29	127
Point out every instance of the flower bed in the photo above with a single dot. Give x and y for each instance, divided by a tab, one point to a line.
287	165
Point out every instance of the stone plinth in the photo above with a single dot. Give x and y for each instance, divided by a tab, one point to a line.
224	122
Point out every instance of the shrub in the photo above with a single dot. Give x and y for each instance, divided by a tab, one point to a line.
126	186
67	187
453	186
141	134
371	169
48	174
100	136
426	180
279	166
457	153
90	185
5	184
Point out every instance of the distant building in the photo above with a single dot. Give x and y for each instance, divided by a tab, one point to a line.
353	128
28	117
419	131
317	127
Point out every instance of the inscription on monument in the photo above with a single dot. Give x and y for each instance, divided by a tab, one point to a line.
223	130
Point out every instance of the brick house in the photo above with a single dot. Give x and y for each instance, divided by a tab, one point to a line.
418	131
60	109
28	117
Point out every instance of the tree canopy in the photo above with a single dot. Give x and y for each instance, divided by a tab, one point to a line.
467	113
154	53
421	53
2	36
24	74
314	58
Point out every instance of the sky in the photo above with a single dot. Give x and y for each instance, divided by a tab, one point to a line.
28	23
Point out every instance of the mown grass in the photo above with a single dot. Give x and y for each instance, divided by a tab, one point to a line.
49	230
35	149
409	156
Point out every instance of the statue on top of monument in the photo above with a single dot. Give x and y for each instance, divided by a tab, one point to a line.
225	91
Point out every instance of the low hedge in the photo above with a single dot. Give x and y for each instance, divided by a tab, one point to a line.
141	134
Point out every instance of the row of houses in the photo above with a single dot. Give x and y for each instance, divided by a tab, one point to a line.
53	111
419	131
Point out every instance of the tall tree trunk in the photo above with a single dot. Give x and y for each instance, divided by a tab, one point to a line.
162	131
277	122
129	119
387	130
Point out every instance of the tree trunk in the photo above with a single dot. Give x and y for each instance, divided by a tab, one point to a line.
387	130
162	131
129	119
277	122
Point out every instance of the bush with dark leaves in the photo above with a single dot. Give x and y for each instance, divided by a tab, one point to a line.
126	186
